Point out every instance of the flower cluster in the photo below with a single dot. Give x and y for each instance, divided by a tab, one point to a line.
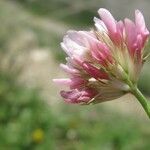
102	63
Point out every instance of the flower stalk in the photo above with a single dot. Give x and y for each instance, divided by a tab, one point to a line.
141	98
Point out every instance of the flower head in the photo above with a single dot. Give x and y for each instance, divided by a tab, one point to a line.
102	63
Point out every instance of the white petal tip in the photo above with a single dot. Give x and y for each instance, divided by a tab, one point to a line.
102	10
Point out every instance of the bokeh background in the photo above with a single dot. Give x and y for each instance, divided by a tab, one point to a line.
32	114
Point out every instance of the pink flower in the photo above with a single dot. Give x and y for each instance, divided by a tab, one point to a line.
103	62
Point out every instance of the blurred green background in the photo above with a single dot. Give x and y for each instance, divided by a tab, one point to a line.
32	115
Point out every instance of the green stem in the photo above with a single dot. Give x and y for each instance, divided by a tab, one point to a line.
137	93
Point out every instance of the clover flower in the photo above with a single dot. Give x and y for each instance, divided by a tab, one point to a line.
105	63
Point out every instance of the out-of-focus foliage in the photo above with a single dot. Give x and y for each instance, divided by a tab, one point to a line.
77	13
91	128
22	31
27	122
25	119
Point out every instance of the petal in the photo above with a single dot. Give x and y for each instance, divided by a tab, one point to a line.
131	35
140	23
71	96
140	26
76	96
69	69
138	52
93	71
108	19
73	83
64	81
120	29
100	25
99	50
77	82
72	46
111	25
78	38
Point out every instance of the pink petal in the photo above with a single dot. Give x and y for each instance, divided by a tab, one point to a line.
73	83
100	25
71	96
111	25
76	96
131	36
77	38
69	69
108	19
77	82
100	49
120	29
101	53
74	44
93	71
140	23
140	26
138	53
64	82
